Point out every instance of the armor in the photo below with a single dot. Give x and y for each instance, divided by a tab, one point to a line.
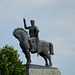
33	31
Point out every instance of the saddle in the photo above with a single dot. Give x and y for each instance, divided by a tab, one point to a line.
35	46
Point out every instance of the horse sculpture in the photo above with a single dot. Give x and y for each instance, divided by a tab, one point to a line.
45	50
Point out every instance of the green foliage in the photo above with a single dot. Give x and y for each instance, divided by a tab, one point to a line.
9	62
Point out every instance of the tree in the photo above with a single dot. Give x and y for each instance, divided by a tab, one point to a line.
10	63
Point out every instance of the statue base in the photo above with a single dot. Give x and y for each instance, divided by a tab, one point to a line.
41	70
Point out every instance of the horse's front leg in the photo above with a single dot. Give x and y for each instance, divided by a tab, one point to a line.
28	57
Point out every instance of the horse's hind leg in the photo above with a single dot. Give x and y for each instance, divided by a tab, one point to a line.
46	63
42	54
50	63
49	57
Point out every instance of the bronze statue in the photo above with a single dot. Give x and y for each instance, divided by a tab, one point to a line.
27	43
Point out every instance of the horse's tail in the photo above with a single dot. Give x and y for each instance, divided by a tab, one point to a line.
51	48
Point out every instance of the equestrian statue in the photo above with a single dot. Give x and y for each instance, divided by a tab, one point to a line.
31	43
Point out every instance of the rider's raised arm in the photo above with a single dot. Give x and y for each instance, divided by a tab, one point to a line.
25	26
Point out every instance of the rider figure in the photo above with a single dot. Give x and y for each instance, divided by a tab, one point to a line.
33	30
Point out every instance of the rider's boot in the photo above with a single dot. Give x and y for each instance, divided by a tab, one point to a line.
31	47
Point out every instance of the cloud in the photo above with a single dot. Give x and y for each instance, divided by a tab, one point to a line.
32	2
19	8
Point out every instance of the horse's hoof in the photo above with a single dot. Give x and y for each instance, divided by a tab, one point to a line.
50	65
46	64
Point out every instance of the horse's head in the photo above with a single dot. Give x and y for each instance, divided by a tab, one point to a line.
20	34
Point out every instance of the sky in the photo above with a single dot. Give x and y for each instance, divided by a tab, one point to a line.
56	22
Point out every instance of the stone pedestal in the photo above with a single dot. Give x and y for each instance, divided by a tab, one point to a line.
41	70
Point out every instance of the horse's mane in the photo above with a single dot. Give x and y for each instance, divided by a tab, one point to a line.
20	29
